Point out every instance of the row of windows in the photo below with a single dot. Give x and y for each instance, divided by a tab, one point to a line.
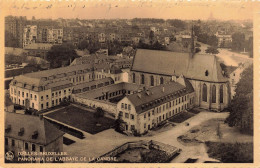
142	81
26	145
23	94
168	114
214	93
80	78
125	106
121	114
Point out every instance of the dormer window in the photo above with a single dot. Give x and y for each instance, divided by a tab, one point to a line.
35	135
206	73
8	129
21	132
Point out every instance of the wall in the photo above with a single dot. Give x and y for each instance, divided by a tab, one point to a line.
105	105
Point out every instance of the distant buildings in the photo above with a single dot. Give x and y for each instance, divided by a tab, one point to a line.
38	49
15	27
29	35
32	134
224	40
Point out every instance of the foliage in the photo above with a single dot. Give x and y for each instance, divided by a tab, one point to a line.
154	156
99	113
119	125
238	41
231	153
224	68
151	37
197	50
179	24
212	50
154	46
197	45
64	52
65	102
241	107
208	39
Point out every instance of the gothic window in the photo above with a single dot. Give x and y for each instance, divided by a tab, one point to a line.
142	79
204	94
161	80
133	77
221	94
213	94
152	81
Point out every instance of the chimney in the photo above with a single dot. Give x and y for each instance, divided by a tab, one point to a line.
139	95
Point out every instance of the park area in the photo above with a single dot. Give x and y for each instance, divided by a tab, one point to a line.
224	143
81	119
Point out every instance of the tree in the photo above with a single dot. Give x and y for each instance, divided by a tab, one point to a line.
99	113
241	107
212	50
61	53
119	125
151	37
197	50
238	41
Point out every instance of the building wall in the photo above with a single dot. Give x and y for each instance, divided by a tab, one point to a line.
105	105
19	146
197	85
151	118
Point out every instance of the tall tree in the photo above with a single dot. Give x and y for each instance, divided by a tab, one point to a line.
241	107
238	41
60	54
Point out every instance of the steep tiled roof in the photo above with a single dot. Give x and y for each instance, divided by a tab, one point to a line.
177	63
155	96
46	131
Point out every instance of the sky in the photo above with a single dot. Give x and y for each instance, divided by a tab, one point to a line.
128	9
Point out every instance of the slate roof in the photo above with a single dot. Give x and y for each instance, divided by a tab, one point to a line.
178	63
46	131
155	96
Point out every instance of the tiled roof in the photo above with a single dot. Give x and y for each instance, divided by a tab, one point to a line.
95	82
177	63
46	131
155	96
110	88
51	72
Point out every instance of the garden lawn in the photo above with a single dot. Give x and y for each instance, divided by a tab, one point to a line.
81	119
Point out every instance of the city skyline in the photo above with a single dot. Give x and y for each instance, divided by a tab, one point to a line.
129	10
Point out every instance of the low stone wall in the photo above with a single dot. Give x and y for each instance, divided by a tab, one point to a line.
170	150
94	103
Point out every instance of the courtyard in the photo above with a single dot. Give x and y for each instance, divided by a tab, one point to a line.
81	119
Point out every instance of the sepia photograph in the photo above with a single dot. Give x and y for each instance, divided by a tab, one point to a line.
128	82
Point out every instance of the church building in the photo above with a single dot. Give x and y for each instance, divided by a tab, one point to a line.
152	67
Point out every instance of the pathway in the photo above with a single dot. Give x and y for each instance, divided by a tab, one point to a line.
103	142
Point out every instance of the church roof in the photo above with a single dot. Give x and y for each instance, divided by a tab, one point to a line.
31	124
178	63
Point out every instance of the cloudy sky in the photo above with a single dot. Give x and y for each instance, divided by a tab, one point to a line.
108	9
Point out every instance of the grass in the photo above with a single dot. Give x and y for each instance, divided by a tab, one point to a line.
81	119
231	152
179	118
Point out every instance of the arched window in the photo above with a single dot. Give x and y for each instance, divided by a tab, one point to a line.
142	79
204	94
161	80
133	77
152	81
213	94
221	94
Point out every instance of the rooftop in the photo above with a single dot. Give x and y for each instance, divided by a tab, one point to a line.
31	125
178	63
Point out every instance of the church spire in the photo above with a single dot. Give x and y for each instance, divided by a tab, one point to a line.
192	42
